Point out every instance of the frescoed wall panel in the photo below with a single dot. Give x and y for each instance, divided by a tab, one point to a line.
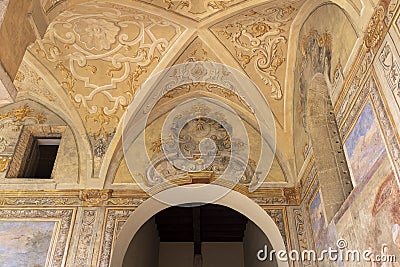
317	216
387	67
365	146
35	237
25	243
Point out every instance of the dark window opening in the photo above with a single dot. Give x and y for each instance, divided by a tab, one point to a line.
206	223
42	157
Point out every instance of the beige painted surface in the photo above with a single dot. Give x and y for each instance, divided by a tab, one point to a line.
144	248
254	241
179	254
216	254
15	35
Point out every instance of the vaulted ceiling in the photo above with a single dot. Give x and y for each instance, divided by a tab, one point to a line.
95	55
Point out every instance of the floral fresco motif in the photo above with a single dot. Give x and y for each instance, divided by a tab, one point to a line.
96	33
25	243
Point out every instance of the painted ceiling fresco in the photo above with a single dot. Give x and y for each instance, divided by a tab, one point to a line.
96	54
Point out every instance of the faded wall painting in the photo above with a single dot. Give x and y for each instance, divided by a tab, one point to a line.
25	243
317	216
365	146
373	213
324	234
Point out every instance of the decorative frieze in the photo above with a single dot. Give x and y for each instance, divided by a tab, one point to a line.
388	63
87	237
94	197
353	85
370	89
301	232
388	131
80	198
278	217
359	101
376	28
113	220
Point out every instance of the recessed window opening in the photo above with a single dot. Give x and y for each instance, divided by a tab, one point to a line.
42	157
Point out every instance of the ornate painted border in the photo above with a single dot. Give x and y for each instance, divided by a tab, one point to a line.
354	84
308	179
65	220
396	22
279	216
283	196
86	237
387	126
372	90
378	28
112	224
301	230
349	123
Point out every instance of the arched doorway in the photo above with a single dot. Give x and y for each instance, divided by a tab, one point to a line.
233	200
201	236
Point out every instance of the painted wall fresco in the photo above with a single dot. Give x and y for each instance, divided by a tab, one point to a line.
371	215
324	235
365	146
25	243
317	216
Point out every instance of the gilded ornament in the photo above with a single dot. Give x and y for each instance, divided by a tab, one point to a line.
27	80
5	115
156	146
292	194
94	197
18	115
41	118
19	76
21	113
259	38
198	54
133	80
4	161
104	123
219	5
376	25
69	80
176	4
260	29
117	43
97	34
195	7
91	68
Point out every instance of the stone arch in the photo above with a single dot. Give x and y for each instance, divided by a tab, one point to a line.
65	109
233	200
26	119
115	153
